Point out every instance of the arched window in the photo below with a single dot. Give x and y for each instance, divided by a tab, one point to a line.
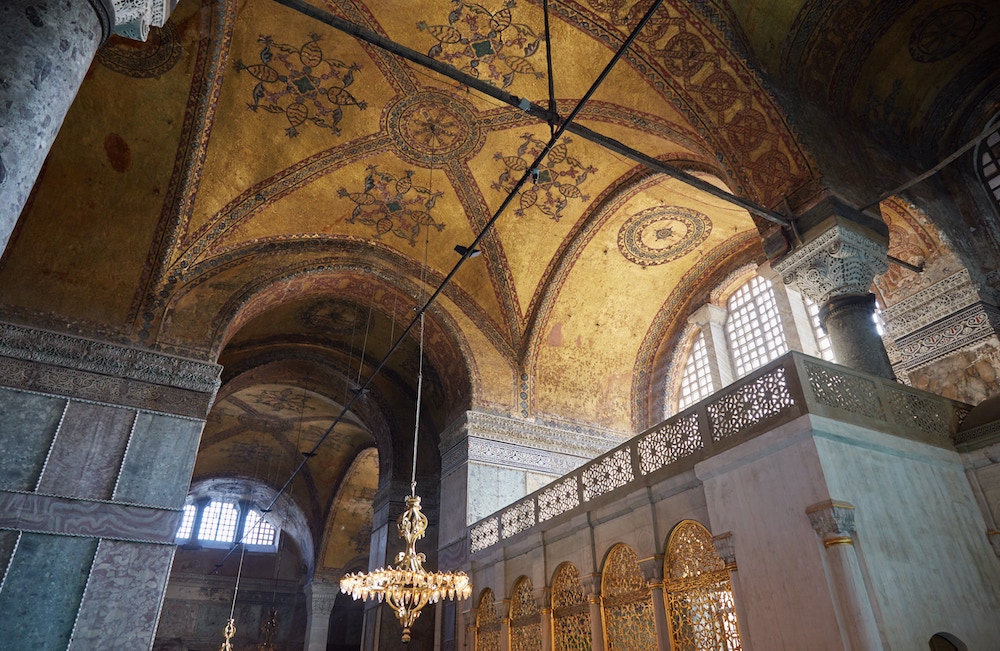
487	623
220	523
762	319
525	619
628	605
570	611
699	592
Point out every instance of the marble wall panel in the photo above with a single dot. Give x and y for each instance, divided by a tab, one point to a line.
42	591
491	488
8	539
159	461
122	600
87	453
28	424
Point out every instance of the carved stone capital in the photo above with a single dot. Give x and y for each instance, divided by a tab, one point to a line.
652	569
321	596
709	313
133	18
839	262
833	522
726	550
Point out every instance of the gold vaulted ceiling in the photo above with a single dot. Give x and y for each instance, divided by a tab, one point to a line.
254	187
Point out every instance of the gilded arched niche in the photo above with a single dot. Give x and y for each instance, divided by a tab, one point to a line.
487	623
570	611
699	593
628	605
525	618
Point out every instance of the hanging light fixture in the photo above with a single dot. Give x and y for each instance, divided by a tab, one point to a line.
408	587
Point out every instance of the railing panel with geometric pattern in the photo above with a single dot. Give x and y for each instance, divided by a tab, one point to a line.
781	391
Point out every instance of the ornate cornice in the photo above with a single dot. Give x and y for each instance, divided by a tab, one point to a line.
496	440
102	358
968	327
940	300
839	262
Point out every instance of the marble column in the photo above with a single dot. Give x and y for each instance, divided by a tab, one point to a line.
727	552
46	49
99	443
834	523
591	585
543	597
835	268
652	572
320	597
504	612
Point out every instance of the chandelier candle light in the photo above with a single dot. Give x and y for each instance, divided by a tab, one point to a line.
408	587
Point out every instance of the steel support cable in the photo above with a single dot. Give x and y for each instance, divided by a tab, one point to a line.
418	317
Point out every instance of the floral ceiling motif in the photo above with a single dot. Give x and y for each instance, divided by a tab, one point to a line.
303	83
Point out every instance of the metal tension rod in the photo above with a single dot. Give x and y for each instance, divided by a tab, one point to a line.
534	110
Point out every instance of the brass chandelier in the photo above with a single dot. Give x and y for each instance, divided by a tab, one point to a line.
408	587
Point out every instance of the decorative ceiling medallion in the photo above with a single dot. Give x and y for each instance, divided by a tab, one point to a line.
556	181
485	44
432	127
393	205
330	316
152	58
663	233
301	83
945	31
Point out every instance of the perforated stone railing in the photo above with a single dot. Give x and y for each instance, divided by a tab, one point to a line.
778	393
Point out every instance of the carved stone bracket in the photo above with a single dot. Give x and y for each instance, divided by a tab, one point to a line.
839	262
133	18
833	521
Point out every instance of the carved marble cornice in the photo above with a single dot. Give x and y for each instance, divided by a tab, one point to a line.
839	262
940	300
966	328
573	440
102	358
513	443
133	18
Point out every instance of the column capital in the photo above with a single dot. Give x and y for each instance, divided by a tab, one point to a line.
833	521
839	261
726	550
133	18
652	569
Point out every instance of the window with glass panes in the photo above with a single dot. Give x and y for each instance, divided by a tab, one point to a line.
696	383
754	327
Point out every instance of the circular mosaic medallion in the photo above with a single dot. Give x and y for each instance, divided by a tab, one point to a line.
663	233
329	316
156	56
945	31
432	127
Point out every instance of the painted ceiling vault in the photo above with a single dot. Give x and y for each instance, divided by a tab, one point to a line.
254	187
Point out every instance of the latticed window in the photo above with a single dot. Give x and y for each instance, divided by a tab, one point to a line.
187	522
989	165
754	328
699	592
525	619
570	611
696	383
487	623
628	606
218	522
257	530
823	343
